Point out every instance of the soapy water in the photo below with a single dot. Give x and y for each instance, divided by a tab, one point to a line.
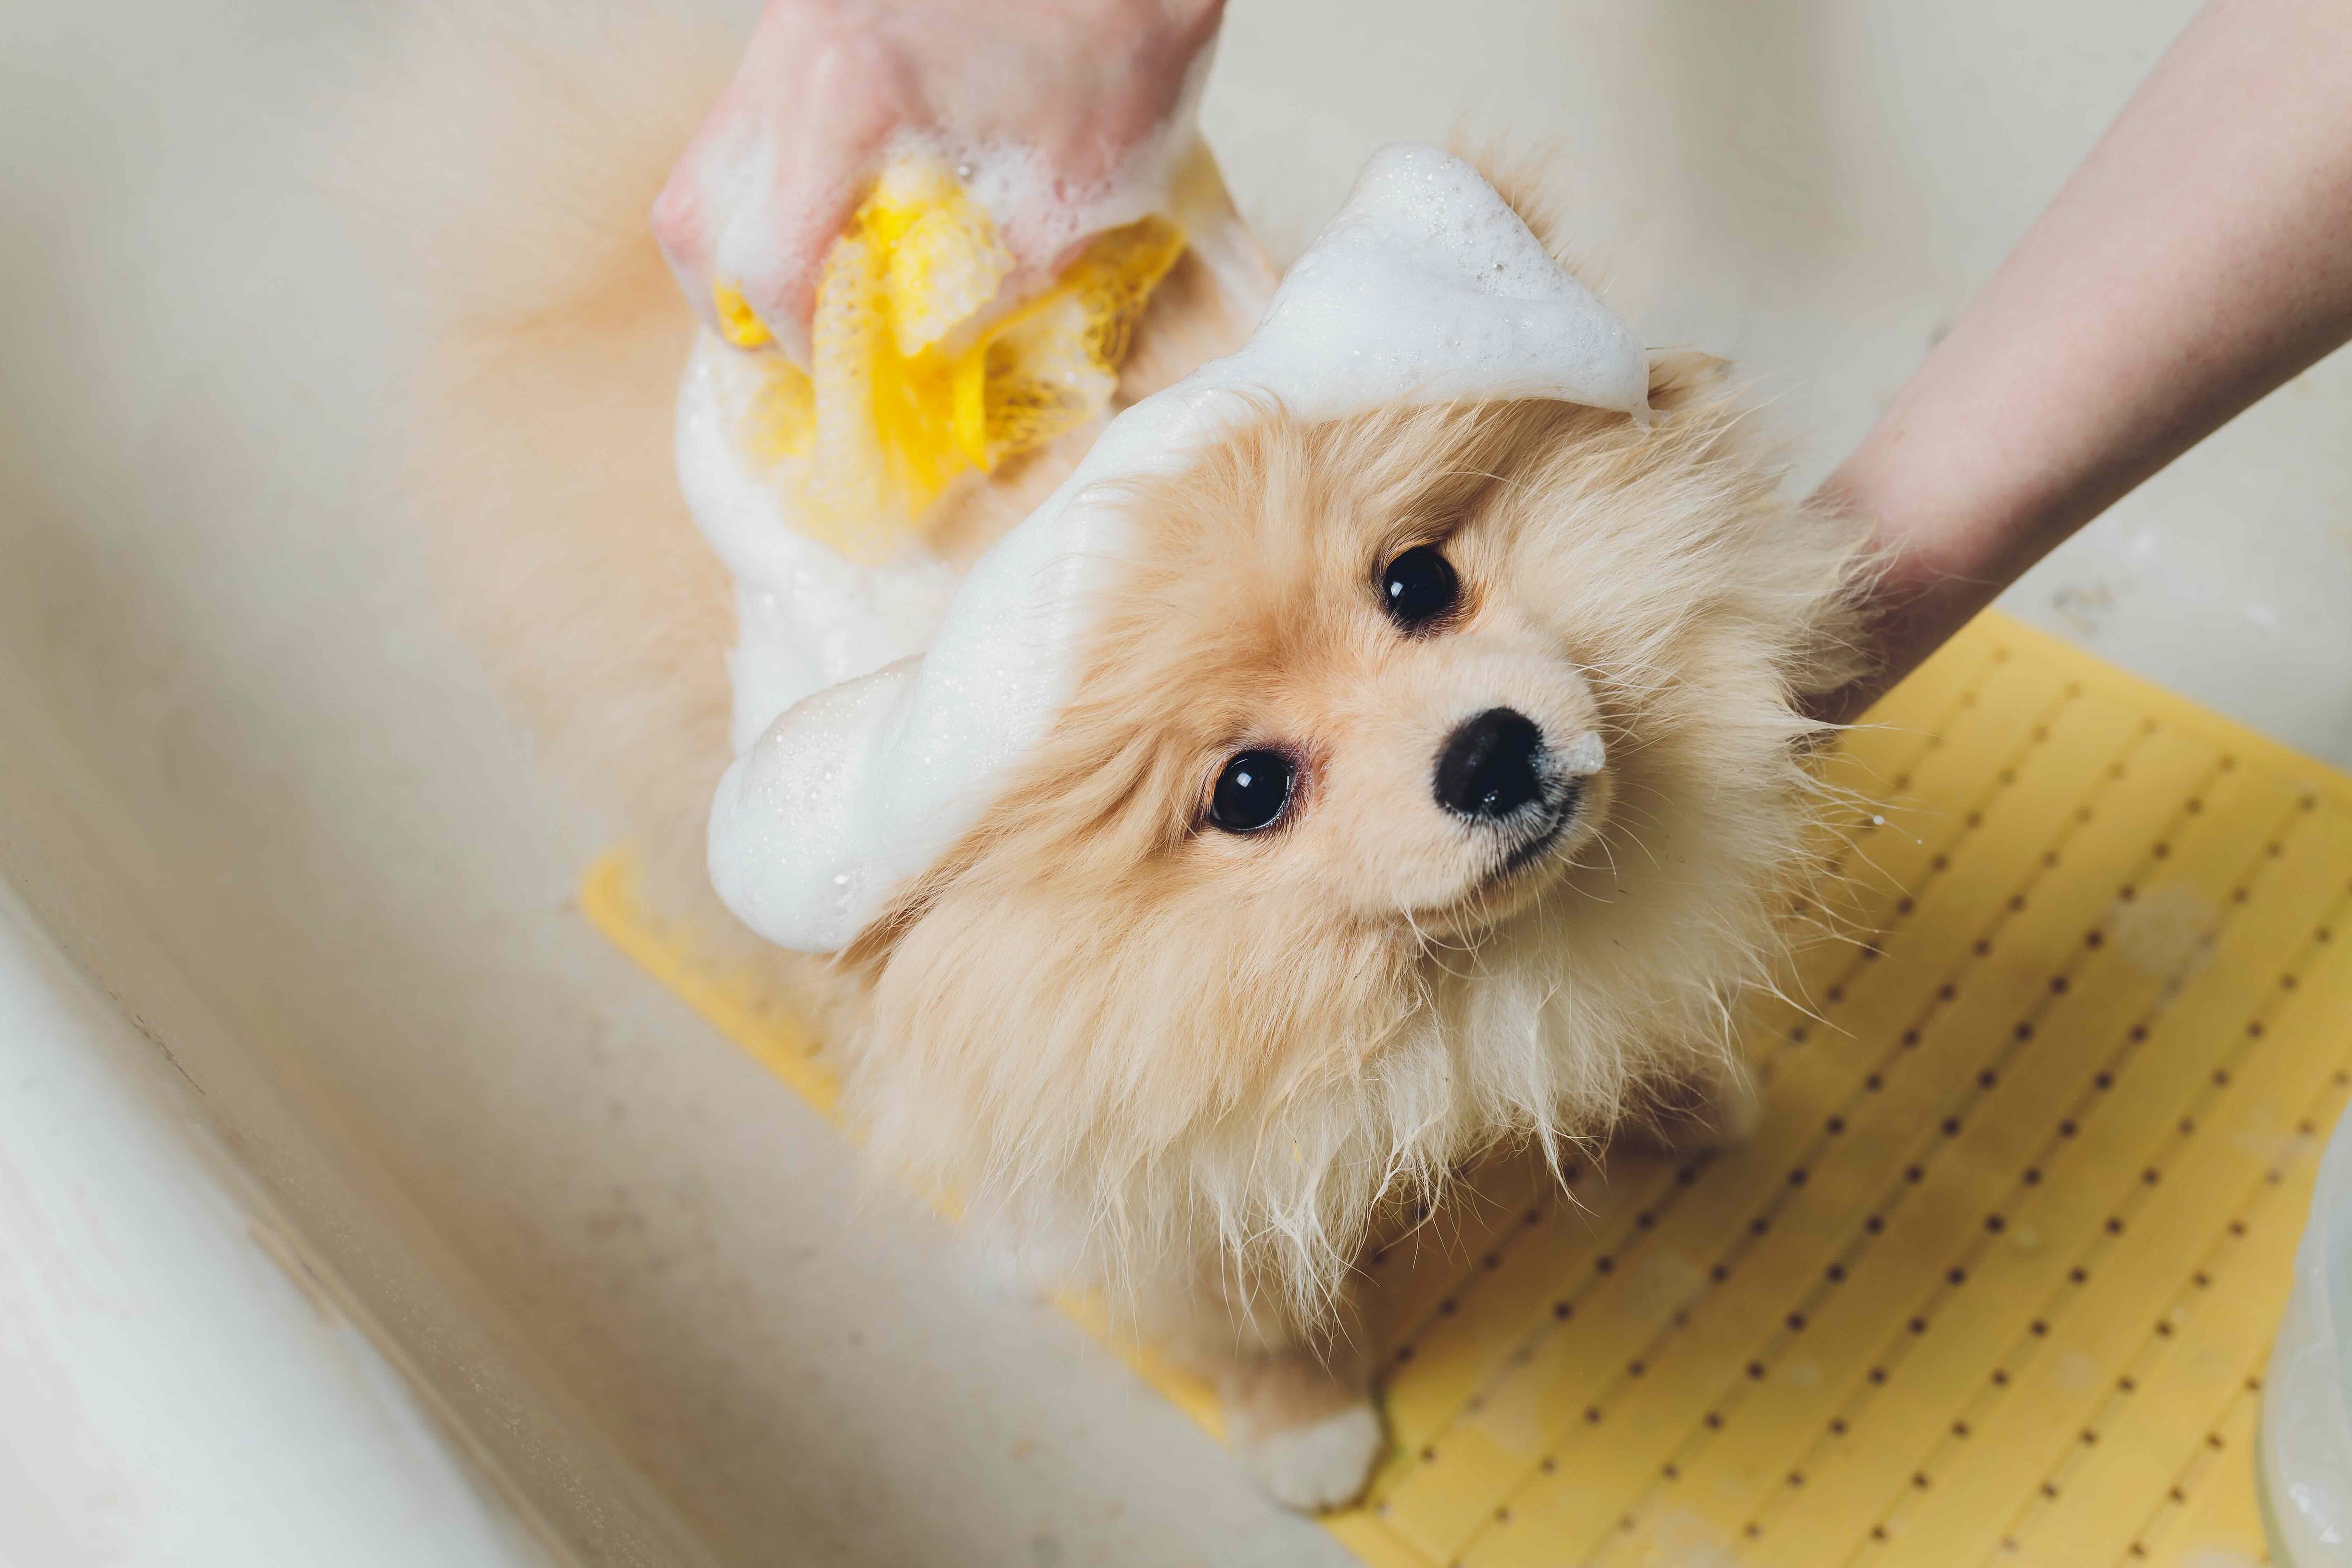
1426	288
1037	215
920	373
972	307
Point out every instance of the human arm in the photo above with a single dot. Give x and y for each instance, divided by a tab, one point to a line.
2199	257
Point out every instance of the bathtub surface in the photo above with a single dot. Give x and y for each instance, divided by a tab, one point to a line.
171	1392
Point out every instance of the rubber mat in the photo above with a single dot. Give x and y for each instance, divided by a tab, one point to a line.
1995	1279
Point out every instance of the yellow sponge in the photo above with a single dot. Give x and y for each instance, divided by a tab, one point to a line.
1994	1281
912	379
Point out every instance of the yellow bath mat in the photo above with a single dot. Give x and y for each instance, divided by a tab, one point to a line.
1994	1282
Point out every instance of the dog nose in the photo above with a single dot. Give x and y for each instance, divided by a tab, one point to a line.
1488	766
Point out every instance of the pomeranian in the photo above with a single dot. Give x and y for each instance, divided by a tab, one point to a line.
1434	777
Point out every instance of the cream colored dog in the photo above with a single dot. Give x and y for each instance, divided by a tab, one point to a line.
1434	779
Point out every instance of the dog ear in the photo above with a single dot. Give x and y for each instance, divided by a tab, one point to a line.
1680	377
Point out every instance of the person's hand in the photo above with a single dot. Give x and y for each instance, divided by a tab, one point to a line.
1079	86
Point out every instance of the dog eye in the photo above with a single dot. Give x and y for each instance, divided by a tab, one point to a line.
1419	586
1252	791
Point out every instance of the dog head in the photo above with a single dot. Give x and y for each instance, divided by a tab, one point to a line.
1431	779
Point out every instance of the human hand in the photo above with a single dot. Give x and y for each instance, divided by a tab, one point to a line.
1076	90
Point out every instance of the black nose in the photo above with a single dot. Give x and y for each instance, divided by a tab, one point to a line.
1488	766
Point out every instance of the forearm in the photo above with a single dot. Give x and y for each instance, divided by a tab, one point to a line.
2201	256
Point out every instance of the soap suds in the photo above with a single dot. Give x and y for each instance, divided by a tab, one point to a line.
1041	217
1584	756
1425	289
807	616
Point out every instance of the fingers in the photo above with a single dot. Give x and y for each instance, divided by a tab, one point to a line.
776	169
1054	101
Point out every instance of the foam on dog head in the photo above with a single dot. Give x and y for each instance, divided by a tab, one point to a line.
1427	288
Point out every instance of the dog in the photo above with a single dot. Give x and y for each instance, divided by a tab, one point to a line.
1434	779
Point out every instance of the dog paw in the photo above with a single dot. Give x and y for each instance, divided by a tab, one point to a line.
1323	1465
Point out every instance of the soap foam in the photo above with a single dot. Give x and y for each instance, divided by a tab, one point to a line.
1425	289
807	618
1039	213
